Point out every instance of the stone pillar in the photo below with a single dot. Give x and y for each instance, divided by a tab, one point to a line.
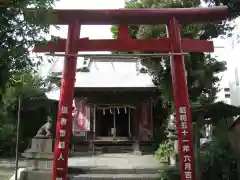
136	144
172	135
196	135
40	155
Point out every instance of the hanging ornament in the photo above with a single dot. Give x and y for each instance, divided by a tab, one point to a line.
104	112
118	110
110	110
125	109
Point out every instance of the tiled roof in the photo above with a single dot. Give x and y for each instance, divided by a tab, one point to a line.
106	72
109	72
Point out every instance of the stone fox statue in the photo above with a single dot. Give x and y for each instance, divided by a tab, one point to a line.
45	130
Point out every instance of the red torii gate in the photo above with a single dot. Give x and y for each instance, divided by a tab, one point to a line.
124	17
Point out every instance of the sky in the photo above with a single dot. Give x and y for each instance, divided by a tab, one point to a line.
225	53
93	31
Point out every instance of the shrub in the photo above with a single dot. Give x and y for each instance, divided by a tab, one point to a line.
164	151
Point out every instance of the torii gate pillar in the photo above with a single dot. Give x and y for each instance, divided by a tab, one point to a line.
173	44
63	125
182	107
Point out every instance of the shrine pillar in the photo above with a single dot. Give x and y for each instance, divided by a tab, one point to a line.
146	120
136	136
143	127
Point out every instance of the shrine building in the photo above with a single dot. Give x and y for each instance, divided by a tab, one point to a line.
113	104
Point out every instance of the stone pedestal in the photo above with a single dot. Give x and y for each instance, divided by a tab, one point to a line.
136	148
40	155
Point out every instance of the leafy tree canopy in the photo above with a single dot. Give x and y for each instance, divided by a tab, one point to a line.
202	69
234	6
17	36
28	86
18	67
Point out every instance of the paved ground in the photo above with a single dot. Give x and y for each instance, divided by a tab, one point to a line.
10	163
115	161
7	167
5	174
99	162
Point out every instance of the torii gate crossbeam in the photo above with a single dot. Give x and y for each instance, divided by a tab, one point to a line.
124	17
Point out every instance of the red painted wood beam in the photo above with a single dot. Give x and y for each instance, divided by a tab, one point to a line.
161	45
132	16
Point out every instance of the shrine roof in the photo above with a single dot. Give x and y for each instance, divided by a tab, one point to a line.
108	72
216	110
131	16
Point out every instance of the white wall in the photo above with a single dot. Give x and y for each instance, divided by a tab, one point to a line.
230	79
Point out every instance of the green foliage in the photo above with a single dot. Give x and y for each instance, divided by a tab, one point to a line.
217	159
164	175
17	36
168	174
202	69
26	85
234	6
202	80
7	139
19	32
164	151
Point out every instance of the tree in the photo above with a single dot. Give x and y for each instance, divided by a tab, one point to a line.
27	86
234	6
202	74
218	160
202	69
17	36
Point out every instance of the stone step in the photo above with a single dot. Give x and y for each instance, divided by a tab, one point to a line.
113	176
104	149
82	154
46	175
83	170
